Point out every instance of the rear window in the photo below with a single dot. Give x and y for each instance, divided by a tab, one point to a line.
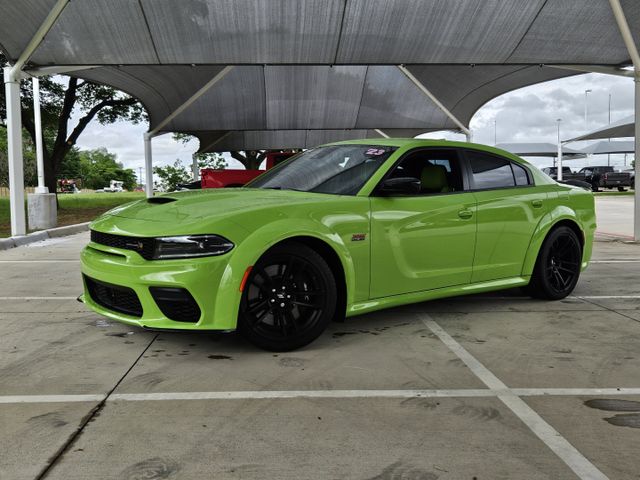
489	171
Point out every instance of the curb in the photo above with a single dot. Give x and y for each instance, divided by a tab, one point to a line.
11	242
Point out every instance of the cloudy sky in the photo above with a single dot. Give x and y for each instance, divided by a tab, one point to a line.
525	115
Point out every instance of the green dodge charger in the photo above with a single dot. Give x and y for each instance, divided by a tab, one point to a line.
336	231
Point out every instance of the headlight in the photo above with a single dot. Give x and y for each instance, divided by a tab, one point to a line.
190	246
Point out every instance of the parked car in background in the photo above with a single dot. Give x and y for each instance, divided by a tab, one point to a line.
598	177
632	176
229	178
339	230
606	177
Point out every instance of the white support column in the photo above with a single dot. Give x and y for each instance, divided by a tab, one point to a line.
194	168
148	164
636	192
559	161
439	104
37	120
14	137
632	48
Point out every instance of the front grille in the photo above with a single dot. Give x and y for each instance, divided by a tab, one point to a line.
114	297
143	245
176	304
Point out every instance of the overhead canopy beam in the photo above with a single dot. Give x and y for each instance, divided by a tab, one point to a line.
596	69
433	98
190	100
629	42
148	152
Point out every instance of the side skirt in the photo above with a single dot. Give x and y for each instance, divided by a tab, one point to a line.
425	295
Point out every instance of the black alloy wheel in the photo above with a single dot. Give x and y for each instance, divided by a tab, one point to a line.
557	268
288	300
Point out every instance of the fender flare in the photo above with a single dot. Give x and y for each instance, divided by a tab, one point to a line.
249	251
545	225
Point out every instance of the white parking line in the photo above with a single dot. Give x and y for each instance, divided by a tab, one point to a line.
50	398
545	432
38	298
601	297
614	261
288	394
39	261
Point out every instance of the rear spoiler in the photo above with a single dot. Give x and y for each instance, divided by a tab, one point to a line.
577	183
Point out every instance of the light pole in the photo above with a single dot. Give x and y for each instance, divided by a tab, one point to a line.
586	92
495	132
608	154
559	175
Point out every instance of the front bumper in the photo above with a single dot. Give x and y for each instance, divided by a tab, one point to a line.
201	277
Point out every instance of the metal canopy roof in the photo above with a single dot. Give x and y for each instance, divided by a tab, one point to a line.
127	32
540	149
337	101
326	65
605	147
623	128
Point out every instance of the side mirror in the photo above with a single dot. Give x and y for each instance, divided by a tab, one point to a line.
401	185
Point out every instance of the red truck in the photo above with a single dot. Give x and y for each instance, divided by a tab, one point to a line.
227	178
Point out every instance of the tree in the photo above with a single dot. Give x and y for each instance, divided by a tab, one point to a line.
251	159
172	175
211	160
98	167
29	153
59	98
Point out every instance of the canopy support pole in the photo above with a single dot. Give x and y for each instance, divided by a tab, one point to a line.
439	104
381	133
12	77
148	164
14	141
194	167
618	13
37	120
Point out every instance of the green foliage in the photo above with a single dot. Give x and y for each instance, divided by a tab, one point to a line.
97	168
29	156
60	98
172	175
211	160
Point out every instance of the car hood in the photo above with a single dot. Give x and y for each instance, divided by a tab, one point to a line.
186	207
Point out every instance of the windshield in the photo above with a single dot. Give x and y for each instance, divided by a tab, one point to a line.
335	169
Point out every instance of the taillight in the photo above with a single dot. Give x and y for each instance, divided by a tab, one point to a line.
606	176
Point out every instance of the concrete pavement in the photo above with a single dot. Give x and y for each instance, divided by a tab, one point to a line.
404	393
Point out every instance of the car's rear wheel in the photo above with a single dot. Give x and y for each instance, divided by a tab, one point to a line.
289	298
595	186
557	268
622	189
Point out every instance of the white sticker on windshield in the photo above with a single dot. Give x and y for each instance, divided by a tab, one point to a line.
374	152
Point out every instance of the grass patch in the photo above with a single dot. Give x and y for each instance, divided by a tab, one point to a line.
74	208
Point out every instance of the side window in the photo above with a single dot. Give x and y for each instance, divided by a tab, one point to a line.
438	170
489	171
520	174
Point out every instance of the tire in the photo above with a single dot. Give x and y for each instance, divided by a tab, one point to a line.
557	268
622	189
595	186
288	300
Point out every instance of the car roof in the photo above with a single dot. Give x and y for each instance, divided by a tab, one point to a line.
427	142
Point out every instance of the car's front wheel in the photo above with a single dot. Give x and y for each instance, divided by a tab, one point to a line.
557	268
288	299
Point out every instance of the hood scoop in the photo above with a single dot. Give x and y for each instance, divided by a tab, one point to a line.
161	200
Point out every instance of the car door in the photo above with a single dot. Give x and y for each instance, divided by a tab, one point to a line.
425	240
509	208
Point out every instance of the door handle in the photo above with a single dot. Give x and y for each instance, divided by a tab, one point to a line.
465	214
536	203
